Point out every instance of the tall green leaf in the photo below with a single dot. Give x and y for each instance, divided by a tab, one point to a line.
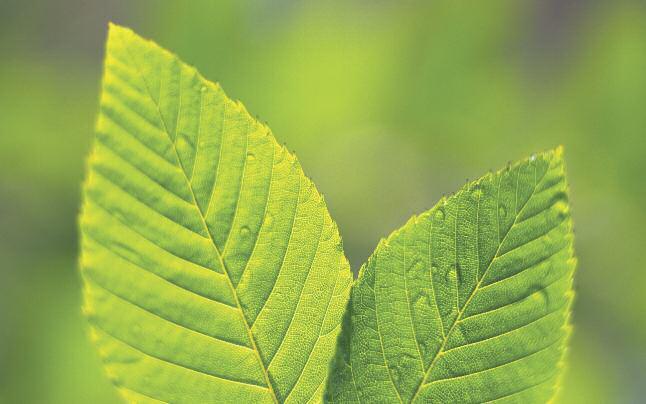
212	270
469	302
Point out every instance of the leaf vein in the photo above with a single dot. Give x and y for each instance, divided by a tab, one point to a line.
218	253
240	187
300	295
282	264
524	356
167	280
517	213
171	362
166	319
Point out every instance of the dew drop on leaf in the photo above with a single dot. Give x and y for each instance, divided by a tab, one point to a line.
451	276
540	296
421	300
244	231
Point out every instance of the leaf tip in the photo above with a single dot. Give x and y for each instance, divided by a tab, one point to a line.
556	153
115	29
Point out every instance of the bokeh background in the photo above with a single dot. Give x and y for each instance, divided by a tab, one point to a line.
388	105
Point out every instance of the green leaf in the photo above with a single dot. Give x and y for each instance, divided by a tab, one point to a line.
212	270
468	302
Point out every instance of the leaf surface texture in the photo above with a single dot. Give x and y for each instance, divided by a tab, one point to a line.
468	302
212	269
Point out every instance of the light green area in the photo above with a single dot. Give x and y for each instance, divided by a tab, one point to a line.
388	105
469	301
212	270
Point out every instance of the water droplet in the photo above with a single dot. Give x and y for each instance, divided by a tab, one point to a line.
251	156
421	300
203	89
114	377
244	231
439	216
450	276
502	212
533	157
562	209
540	295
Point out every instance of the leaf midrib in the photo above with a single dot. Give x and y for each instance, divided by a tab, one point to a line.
206	227
518	212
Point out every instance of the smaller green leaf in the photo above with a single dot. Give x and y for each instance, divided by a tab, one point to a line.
468	302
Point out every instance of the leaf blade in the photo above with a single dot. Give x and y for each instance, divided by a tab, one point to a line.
187	203
484	278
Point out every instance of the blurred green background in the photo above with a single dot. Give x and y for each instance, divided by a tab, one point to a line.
388	105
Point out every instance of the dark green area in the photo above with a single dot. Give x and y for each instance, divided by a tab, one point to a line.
388	107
